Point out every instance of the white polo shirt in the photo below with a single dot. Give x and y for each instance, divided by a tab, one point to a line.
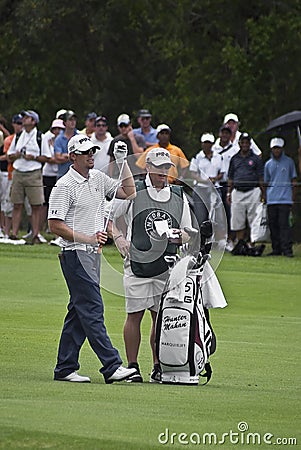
80	203
210	167
27	143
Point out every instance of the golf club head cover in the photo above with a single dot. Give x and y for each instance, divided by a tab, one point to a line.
120	151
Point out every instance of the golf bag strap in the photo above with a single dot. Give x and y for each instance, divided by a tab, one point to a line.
207	374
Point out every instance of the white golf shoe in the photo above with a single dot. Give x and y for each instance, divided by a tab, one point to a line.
120	374
74	377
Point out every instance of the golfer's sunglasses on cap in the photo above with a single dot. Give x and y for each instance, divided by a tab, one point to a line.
91	150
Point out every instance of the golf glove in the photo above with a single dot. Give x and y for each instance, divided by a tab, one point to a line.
120	151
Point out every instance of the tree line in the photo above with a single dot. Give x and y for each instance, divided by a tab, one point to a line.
189	61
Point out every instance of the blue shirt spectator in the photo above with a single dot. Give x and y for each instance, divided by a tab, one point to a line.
278	175
61	142
149	133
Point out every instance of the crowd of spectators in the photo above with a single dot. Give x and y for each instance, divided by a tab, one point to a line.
31	162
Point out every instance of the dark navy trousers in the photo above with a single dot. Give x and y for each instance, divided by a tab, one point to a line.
85	317
281	233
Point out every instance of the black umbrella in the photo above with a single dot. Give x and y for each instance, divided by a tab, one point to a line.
289	120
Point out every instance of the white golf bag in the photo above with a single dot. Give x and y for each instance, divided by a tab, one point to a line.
184	337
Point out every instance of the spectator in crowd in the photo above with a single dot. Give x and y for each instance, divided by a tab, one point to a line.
145	270
4	132
245	189
89	124
149	133
232	121
205	168
3	171
299	159
27	154
50	168
76	214
135	143
61	143
59	115
226	149
102	138
280	184
178	170
6	204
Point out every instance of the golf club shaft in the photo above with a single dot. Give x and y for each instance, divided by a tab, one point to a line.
112	203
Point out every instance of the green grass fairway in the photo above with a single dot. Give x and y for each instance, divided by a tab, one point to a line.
256	368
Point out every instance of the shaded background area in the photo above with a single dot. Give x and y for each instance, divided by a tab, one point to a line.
189	62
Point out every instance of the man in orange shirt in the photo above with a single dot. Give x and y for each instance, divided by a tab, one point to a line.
177	156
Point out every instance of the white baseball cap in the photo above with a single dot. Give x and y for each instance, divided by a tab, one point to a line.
123	118
34	115
80	144
159	156
231	116
277	142
208	137
162	127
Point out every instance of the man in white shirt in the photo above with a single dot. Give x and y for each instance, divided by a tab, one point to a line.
205	169
233	123
102	138
226	149
27	153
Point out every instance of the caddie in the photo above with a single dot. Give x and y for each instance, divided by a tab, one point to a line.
155	220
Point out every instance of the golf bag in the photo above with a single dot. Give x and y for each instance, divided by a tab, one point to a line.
184	337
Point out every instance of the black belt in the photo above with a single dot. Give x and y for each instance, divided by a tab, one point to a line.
244	189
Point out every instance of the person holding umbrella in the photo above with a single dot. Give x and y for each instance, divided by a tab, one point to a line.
280	192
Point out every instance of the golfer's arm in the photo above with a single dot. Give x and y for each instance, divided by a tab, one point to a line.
59	227
127	188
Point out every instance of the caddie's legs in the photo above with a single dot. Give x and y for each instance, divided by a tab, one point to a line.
153	336
132	335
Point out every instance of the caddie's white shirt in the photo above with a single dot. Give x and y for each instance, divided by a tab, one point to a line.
27	143
80	203
125	207
205	166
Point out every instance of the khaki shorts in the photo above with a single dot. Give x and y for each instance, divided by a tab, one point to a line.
141	293
27	184
243	208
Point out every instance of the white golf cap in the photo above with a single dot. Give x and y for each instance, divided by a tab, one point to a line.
34	115
277	142
158	156
123	118
231	116
60	113
162	127
81	143
208	137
